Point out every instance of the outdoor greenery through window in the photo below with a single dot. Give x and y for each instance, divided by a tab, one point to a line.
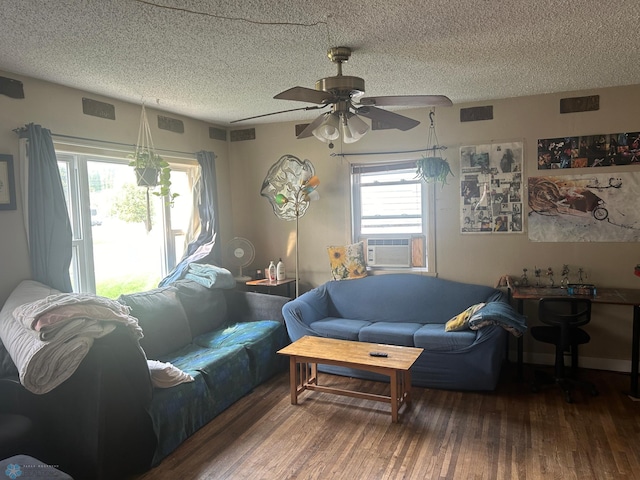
112	251
391	207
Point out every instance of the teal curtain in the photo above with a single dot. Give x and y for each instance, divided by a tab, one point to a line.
203	249
50	235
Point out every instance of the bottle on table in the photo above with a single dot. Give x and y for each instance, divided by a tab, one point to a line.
280	271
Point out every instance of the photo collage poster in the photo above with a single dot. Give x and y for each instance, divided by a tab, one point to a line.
491	188
604	150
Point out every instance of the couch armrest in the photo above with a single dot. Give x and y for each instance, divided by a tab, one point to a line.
252	306
10	390
304	310
95	424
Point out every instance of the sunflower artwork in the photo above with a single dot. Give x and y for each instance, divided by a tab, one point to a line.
347	261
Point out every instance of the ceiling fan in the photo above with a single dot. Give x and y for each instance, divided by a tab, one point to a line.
344	94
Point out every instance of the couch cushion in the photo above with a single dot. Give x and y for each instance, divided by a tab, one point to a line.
178	412
403	298
162	319
261	339
238	334
231	361
340	328
433	337
221	376
206	308
393	333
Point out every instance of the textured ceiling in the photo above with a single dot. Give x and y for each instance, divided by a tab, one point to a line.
220	61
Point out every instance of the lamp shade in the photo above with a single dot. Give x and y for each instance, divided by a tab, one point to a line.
353	128
328	130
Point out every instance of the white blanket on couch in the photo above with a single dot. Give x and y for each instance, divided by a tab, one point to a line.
47	335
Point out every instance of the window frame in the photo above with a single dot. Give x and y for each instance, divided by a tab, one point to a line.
82	266
427	212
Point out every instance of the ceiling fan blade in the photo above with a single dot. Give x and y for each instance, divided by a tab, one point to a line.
391	119
276	113
303	94
407	101
308	132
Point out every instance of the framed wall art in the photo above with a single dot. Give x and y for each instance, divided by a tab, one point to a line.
7	183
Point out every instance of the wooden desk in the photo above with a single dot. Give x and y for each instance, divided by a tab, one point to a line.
610	296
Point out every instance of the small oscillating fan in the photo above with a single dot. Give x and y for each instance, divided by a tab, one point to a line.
240	252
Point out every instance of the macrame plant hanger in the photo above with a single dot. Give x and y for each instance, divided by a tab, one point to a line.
147	175
433	167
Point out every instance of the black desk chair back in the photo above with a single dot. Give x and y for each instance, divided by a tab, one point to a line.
563	317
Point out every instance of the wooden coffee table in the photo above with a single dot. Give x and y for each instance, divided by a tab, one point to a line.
306	353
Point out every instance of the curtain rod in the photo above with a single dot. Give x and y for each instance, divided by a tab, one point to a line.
386	153
18	130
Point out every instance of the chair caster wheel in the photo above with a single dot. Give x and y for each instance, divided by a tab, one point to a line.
568	399
594	392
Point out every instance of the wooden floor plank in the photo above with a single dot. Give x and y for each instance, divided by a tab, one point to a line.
507	434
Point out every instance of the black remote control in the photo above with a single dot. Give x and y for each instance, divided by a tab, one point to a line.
378	354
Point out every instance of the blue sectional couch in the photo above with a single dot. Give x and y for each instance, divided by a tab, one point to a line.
226	340
411	310
107	420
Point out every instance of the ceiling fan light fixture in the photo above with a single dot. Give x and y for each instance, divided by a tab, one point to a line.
353	128
328	130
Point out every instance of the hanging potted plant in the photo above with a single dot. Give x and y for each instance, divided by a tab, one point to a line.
151	169
147	166
432	167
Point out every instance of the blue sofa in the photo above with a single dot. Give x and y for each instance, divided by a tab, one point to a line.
107	420
411	310
226	339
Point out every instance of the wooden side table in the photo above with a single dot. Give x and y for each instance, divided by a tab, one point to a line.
271	287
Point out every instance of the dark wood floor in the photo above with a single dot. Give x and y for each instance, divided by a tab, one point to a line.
507	434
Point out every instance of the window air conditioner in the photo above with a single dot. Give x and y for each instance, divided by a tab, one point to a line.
389	252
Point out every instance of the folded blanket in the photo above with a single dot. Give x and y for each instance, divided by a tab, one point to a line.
63	315
48	357
502	314
210	276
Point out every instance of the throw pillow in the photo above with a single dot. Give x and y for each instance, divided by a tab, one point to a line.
165	375
461	321
347	262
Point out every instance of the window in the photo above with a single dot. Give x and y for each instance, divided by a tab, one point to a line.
113	253
391	212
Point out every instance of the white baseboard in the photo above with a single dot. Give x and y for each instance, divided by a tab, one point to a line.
609	364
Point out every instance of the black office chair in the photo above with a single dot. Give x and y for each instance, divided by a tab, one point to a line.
562	317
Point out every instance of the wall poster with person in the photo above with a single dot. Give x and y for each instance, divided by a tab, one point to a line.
491	188
584	208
